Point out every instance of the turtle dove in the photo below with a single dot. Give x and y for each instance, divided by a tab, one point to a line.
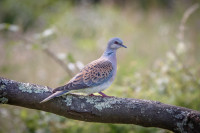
94	77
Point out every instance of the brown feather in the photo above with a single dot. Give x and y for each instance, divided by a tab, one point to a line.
91	75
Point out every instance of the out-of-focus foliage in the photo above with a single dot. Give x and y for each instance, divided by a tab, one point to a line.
155	66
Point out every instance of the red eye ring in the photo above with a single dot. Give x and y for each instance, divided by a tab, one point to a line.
116	42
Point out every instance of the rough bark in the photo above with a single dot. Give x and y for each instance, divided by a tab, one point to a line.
101	109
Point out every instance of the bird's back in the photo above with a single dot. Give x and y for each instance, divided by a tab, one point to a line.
95	73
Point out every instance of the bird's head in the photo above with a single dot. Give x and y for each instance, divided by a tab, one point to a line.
115	43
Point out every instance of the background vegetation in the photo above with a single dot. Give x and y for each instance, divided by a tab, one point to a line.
158	64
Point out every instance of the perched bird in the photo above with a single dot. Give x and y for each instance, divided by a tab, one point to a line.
94	77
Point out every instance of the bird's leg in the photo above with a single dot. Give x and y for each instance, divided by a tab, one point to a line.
91	95
104	95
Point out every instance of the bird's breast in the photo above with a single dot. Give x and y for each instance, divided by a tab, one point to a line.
114	63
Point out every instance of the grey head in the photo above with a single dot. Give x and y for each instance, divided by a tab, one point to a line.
115	43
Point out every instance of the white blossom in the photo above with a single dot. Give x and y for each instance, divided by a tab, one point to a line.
80	65
13	28
171	56
45	33
71	66
162	80
10	27
180	49
138	89
61	56
164	68
48	32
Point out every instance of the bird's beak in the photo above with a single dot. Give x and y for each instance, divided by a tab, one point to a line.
123	46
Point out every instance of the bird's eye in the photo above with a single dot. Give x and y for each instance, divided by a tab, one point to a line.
116	42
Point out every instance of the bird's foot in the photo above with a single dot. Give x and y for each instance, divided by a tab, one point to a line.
104	95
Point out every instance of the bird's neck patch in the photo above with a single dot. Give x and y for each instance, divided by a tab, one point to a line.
109	53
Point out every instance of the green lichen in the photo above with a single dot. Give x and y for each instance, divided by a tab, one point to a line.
81	97
2	87
92	100
180	125
170	111
40	90
131	104
27	87
179	116
68	100
6	81
4	94
3	100
24	87
191	125
82	105
100	103
143	110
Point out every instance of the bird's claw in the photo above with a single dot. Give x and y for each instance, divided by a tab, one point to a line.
104	95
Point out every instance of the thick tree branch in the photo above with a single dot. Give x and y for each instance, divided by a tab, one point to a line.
101	109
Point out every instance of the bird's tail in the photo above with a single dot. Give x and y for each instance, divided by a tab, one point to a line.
61	88
56	94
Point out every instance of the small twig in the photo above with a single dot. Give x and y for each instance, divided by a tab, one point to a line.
184	19
49	53
59	61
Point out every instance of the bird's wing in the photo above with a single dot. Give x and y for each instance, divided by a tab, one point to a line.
93	74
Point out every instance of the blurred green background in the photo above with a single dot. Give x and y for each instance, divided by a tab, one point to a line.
158	64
